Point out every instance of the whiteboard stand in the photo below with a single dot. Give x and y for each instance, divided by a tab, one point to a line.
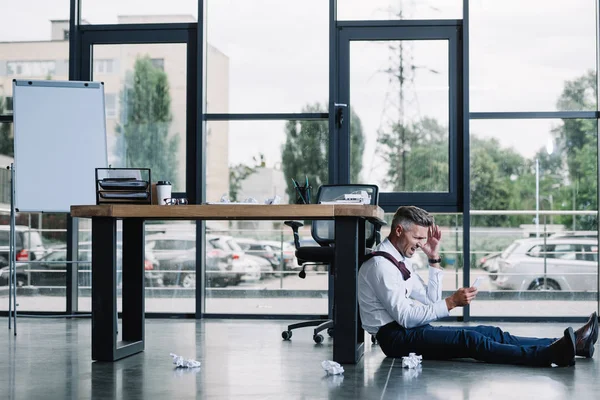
60	140
12	262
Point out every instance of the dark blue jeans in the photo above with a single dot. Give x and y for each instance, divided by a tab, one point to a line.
483	343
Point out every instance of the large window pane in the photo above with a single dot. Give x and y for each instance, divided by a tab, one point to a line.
523	53
277	54
259	159
399	100
264	272
32	46
145	91
40	261
138	11
169	266
255	161
398	9
534	226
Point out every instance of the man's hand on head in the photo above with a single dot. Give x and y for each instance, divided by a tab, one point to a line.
461	297
431	248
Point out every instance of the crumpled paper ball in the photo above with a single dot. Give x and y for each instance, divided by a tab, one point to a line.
181	362
332	368
411	361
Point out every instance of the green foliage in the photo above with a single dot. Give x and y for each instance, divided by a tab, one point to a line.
577	138
306	150
408	150
6	134
145	141
500	180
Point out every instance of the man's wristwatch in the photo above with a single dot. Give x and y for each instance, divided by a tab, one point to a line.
435	260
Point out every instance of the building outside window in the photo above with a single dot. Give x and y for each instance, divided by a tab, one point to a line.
31	68
158	63
110	104
104	66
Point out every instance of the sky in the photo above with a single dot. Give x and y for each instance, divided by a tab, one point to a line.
521	53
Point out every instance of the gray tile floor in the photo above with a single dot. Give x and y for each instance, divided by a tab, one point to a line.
50	359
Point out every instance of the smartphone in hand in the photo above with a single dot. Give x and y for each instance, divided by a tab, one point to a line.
477	282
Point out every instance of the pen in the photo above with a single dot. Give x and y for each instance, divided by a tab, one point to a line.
297	187
307	190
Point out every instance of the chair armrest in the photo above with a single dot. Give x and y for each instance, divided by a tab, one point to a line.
295	225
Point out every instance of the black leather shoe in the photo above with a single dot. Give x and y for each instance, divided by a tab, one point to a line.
562	351
586	336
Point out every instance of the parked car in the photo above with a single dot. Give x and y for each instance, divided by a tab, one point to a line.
260	249
28	242
51	269
489	262
153	277
564	263
249	265
287	254
176	255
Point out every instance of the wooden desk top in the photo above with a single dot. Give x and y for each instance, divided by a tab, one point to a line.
231	211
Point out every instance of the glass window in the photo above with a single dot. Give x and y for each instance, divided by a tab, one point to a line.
39	238
138	12
535	251
509	158
399	99
158	63
589	253
31	69
273	65
104	66
565	251
146	125
522	54
169	266
394	9
257	159
270	284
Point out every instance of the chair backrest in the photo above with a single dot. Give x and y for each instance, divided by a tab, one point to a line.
323	231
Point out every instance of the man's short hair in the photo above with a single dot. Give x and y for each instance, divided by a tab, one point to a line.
406	216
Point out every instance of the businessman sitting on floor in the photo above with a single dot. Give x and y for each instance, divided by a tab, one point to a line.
387	287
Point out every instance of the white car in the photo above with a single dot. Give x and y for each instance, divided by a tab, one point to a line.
247	264
561	263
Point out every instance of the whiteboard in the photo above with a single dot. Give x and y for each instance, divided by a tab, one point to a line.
60	139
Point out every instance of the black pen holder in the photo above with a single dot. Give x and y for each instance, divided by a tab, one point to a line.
303	194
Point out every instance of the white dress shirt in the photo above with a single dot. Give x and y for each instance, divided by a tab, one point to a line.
384	296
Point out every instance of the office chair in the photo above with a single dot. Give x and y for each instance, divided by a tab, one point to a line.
323	232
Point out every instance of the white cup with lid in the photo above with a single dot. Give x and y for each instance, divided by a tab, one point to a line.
163	191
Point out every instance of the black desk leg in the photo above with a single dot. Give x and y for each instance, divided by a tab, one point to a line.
104	289
347	347
104	296
133	280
